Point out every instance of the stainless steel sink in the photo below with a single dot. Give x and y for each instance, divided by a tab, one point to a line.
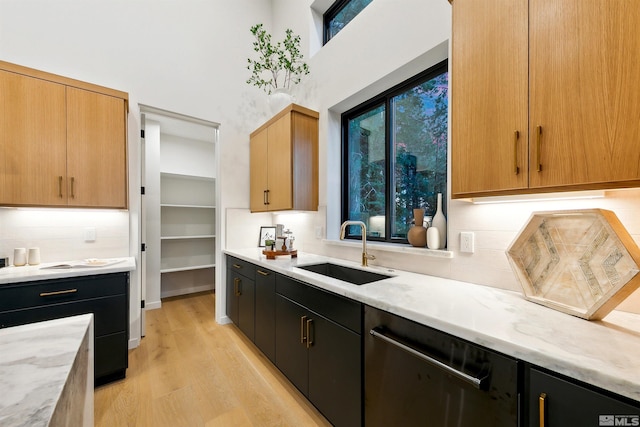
346	274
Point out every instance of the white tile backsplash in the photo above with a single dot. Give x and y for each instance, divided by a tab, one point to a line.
59	233
495	227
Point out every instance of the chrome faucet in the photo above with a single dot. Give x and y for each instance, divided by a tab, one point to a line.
363	227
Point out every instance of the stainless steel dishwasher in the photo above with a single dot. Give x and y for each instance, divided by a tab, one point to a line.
419	376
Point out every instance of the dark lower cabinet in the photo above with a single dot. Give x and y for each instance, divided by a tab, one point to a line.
265	318
106	296
558	402
321	356
363	366
241	295
419	376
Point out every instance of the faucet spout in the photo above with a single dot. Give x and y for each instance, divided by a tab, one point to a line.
363	228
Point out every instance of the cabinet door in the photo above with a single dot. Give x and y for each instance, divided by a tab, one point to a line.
265	332
291	350
32	141
562	403
232	298
489	97
280	161
96	149
246	306
335	380
259	166
241	302
584	92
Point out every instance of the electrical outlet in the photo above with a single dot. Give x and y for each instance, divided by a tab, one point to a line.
90	234
319	232
466	242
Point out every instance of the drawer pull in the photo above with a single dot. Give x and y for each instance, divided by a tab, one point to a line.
309	330
538	142
303	337
236	287
264	273
49	294
238	266
516	136
475	382
542	407
73	194
60	186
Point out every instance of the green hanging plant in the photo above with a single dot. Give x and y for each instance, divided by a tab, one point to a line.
278	66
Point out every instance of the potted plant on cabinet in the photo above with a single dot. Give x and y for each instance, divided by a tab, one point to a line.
278	66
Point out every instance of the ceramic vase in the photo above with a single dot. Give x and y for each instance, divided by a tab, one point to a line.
417	234
278	99
440	222
433	238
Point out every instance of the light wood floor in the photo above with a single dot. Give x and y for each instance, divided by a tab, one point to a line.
191	371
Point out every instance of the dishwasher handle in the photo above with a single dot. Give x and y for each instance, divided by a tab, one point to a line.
475	382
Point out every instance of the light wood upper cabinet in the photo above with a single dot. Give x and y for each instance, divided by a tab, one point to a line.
489	96
63	142
585	92
96	153
32	140
544	96
284	162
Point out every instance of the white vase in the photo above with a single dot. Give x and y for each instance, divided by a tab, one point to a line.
279	99
440	222
433	238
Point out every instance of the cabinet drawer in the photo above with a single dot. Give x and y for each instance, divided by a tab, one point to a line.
110	313
241	267
39	293
346	312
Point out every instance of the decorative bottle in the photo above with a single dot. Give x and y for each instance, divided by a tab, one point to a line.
417	234
440	222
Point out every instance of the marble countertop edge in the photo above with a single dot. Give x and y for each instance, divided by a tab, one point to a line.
29	273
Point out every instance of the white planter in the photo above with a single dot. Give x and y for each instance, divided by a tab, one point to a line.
279	99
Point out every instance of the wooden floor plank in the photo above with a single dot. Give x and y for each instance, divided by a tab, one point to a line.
191	371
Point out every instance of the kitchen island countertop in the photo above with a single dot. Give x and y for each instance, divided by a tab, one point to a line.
603	353
46	373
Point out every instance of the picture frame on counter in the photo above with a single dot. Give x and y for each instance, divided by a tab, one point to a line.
266	233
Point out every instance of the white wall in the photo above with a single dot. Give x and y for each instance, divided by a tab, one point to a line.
185	56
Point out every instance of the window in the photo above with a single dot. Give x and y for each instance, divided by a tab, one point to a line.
340	14
395	156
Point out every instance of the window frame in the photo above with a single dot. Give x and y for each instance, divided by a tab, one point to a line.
331	13
383	98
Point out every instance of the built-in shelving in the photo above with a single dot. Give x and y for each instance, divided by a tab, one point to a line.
186	205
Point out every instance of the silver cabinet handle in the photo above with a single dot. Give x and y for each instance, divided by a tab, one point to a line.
476	382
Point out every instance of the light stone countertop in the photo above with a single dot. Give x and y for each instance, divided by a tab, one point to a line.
603	353
29	273
46	373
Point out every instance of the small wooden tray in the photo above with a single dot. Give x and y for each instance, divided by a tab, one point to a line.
274	254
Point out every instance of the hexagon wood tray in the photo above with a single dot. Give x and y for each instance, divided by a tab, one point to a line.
581	262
